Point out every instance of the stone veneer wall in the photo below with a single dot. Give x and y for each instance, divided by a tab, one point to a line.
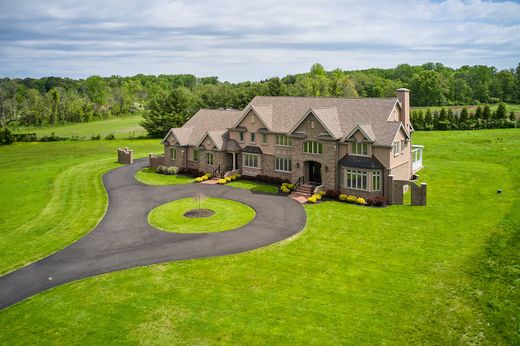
125	156
268	168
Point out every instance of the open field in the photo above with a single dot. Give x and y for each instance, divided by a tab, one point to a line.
456	109
123	127
442	274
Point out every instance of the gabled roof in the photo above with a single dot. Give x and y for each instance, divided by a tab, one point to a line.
328	118
212	122
360	162
365	129
263	112
217	137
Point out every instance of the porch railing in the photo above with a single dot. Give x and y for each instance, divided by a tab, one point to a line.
417	155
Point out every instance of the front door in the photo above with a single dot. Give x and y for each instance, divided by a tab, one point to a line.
314	170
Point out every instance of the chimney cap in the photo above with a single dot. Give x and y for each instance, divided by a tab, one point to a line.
403	89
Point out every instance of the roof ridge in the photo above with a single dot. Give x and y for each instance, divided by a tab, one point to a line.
329	97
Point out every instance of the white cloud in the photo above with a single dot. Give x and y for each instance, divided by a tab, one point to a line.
239	41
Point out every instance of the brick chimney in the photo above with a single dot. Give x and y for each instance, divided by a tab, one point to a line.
403	95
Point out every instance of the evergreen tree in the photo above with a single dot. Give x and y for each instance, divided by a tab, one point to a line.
486	112
428	120
463	118
501	113
512	116
478	113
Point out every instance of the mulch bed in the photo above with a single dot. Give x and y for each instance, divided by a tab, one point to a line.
198	213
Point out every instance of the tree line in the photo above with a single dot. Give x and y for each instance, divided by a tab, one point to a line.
480	118
169	100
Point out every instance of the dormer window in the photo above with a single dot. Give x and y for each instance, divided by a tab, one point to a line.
360	148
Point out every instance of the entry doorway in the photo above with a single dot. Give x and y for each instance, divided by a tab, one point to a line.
313	172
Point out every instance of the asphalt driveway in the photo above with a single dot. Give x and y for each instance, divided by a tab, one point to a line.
124	239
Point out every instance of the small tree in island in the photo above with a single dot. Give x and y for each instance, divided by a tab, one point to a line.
199	199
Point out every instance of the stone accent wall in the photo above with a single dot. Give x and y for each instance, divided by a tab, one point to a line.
396	190
155	160
219	158
179	162
125	156
328	160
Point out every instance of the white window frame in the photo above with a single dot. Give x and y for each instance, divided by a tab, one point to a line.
397	148
264	138
376	175
283	141
208	160
354	179
251	161
312	147
357	148
283	164
252	138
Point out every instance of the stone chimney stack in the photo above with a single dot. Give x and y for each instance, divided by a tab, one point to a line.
403	95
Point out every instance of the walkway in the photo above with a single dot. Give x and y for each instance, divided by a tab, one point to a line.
124	239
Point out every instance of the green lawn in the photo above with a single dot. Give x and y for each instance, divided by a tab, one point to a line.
228	215
442	274
253	186
148	176
123	127
52	194
509	107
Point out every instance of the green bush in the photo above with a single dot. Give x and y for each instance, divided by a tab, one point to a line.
222	181
284	189
360	201
342	197
317	196
322	193
351	199
96	137
172	170
311	199
208	175
233	177
228	179
110	137
198	179
6	137
160	169
291	186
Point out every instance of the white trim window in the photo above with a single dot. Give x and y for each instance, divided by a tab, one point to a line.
282	164
174	154
209	159
312	147
264	138
376	181
251	161
397	148
360	148
195	155
283	140
253	138
355	179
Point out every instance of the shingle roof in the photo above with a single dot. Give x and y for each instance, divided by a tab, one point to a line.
252	149
360	162
339	115
215	122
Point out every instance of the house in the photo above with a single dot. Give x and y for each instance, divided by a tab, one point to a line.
348	145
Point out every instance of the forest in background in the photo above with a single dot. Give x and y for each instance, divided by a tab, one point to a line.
167	101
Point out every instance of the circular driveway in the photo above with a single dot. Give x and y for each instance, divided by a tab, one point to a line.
124	239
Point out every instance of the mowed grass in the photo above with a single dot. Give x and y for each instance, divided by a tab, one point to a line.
52	194
123	127
228	215
253	186
149	177
442	274
509	107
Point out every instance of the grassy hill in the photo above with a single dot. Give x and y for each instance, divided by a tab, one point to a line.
442	274
124	127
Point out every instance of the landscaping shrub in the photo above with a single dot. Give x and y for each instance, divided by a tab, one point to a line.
317	196
52	138
378	201
96	137
198	179
160	169
360	201
24	137
321	193
191	172
172	170
208	175
233	177
110	137
332	194
204	178
6	137
351	199
228	179
221	181
342	197
311	199
284	189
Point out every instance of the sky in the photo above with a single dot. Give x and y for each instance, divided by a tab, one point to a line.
250	40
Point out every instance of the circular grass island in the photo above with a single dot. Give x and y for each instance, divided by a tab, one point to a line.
221	215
